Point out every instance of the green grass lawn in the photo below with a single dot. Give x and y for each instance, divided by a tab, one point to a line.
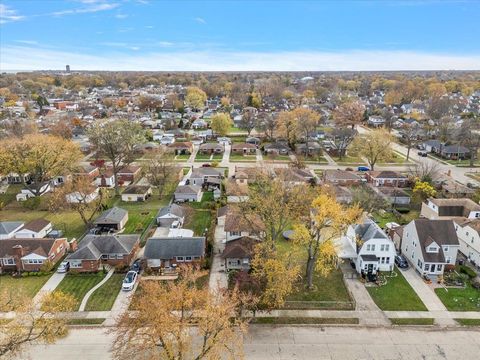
349	159
236	130
29	285
182	157
202	157
199	221
104	297
315	160
396	158
96	321
303	320
467	299
141	214
382	220
412	321
78	285
468	322
217	157
240	157
282	158
397	294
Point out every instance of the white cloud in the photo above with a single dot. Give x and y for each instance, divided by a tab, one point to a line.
149	27
7	14
28	42
165	43
92	7
34	58
121	16
200	20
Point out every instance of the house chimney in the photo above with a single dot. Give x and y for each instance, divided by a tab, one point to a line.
19	251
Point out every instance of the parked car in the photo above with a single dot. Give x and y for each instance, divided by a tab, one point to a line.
136	266
363	168
422	153
63	267
129	281
224	140
206	165
401	262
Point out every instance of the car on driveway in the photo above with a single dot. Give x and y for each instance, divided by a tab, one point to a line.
136	266
401	262
63	267
422	153
129	281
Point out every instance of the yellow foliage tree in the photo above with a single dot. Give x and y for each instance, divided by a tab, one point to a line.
374	146
195	98
221	124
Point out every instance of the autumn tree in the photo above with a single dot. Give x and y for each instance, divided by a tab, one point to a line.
367	199
248	121
342	138
469	136
37	159
316	237
221	124
187	322
422	191
287	127
268	124
254	100
425	171
195	98
62	129
307	122
161	171
410	134
374	146
81	196
349	113
438	107
41	322
116	140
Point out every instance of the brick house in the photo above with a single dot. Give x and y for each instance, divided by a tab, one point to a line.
30	254
96	250
341	177
244	149
387	178
130	174
172	251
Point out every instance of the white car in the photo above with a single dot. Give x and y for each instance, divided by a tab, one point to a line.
129	281
63	267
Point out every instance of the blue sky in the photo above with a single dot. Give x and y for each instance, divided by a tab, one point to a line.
239	35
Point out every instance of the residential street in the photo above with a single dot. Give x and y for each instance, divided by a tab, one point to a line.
283	342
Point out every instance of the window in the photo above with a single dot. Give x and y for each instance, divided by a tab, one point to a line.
382	260
119	256
112	256
382	247
104	257
387	260
180	258
196	258
387	247
9	261
439	267
373	247
448	260
419	263
368	247
445	248
426	267
188	258
75	263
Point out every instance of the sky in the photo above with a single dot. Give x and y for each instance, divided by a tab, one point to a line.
155	35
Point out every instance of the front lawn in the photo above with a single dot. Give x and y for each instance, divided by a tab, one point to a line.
397	294
315	160
85	321
29	285
468	322
282	158
103	298
202	157
412	321
454	299
349	160
396	158
304	320
182	157
78	285
240	157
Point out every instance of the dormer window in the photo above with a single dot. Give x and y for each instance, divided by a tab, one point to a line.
445	248
432	249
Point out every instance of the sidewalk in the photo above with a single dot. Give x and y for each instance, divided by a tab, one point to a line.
92	290
218	277
49	286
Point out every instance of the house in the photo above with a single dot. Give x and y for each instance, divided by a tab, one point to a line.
342	177
169	252
35	229
200	176
9	228
343	194
375	121
130	174
393	195
387	178
211	148
182	148
430	245
167	140
244	149
295	176
237	224
235	191
170	214
136	193
112	219
454	152
253	140
107	179
199	124
468	232
432	146
30	254
77	197
186	193
96	250
445	209
368	247
276	149
238	253
26	194
314	148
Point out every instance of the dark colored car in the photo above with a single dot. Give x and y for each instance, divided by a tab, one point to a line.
136	266
422	153
206	165
401	262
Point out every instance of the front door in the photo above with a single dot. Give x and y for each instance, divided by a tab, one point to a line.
432	268
166	263
370	268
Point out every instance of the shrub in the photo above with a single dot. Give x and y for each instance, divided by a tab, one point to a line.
476	283
46	267
32	203
403	210
468	271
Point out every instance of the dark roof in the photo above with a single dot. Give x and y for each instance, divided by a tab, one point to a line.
38	246
240	248
205	171
440	231
455	149
113	215
36	225
386	174
330	175
188	189
168	248
136	190
240	146
173	209
455	207
369	257
93	246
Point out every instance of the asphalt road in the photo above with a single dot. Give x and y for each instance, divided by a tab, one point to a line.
267	342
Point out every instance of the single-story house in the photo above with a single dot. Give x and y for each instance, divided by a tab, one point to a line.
167	215
314	148
186	193
341	177
107	179
78	197
169	252
394	196
244	148
9	228
238	253
130	174
114	218
211	148
387	178
253	140
276	149
95	250
236	191
295	176
200	176
87	170
136	193
238	225
35	229
454	152
375	121
26	194
430	245
30	254
182	148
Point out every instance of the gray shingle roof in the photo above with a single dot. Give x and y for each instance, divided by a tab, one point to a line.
6	227
93	246
188	189
168	248
173	209
113	215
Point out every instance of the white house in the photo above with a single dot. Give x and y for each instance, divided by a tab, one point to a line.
171	214
468	233
77	197
368	247
105	180
430	245
35	229
186	193
26	194
376	121
9	228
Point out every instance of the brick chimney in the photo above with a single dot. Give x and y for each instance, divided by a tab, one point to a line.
18	253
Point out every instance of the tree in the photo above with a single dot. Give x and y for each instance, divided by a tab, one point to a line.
367	199
187	322
287	127
409	134
342	138
116	140
268	124
62	129
37	159
422	191
161	170
248	121
438	107
195	98
82	196
32	323
328	220
307	122
41	101
425	171
148	103
254	100
388	116
349	113
374	146
221	124
469	136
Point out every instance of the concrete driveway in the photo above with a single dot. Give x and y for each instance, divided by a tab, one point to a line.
218	276
423	290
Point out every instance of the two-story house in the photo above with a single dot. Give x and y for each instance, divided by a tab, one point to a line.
450	208
430	245
200	176
468	233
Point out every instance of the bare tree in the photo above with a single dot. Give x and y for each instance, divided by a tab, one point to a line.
425	170
161	170
469	136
